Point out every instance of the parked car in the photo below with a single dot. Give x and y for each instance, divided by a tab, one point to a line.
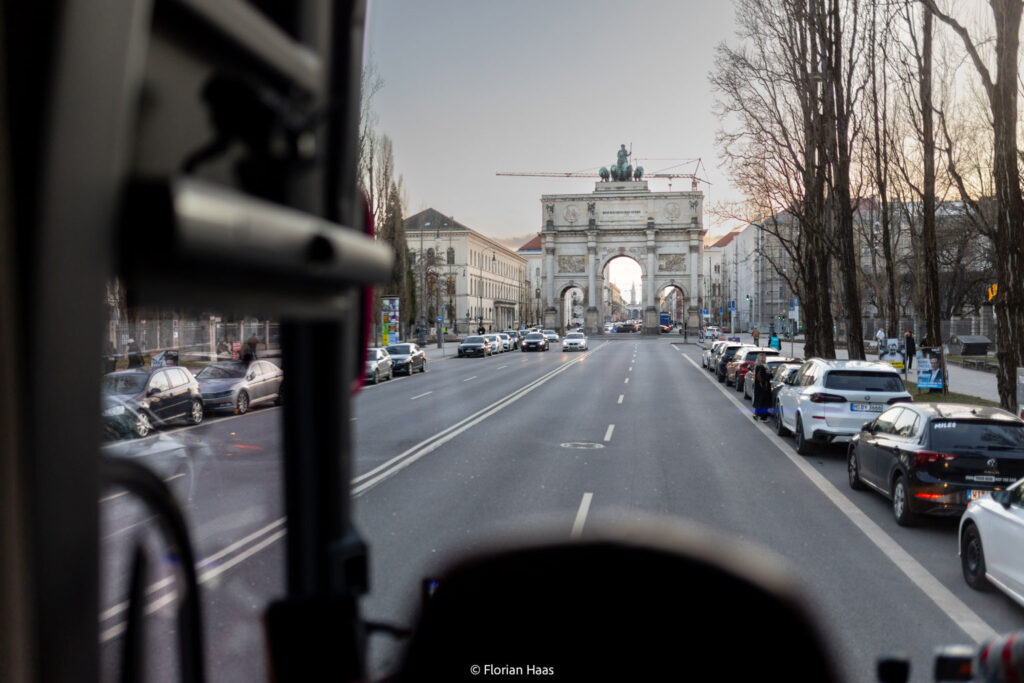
829	399
992	542
475	346
497	344
239	385
535	341
407	358
781	378
517	338
742	361
772	362
574	341
378	364
935	458
137	400
708	353
725	354
551	336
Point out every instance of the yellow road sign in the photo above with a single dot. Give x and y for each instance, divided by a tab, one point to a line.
992	292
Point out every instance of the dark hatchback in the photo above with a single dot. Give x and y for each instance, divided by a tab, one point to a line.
535	341
135	401
725	356
935	458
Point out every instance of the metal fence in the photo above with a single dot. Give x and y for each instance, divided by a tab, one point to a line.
194	339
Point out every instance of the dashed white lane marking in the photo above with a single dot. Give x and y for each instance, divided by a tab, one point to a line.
627	381
581	515
608	434
421	395
469	378
621	396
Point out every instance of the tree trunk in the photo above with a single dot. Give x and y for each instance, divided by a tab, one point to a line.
1010	222
930	294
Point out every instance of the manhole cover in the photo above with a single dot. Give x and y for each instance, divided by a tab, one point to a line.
582	444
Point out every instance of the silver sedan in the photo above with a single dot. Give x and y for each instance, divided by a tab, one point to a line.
239	385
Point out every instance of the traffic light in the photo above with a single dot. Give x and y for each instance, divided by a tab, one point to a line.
748	297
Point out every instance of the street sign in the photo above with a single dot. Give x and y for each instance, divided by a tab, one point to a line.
992	291
439	318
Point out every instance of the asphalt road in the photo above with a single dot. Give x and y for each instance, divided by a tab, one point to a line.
479	449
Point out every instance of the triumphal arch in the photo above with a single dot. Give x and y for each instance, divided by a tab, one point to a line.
622	217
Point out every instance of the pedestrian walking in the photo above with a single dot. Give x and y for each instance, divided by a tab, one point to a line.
757	336
134	354
250	349
909	350
880	338
762	389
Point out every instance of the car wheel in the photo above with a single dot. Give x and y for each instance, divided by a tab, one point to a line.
391	374
803	446
853	469
423	368
745	396
142	425
280	395
242	403
972	559
779	428
739	387
901	503
196	414
376	376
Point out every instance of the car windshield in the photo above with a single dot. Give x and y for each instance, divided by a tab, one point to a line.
863	380
125	383
240	186
973	434
222	371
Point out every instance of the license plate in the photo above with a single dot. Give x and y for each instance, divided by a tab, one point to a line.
866	407
975	494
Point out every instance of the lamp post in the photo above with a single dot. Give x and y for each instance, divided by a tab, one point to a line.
421	333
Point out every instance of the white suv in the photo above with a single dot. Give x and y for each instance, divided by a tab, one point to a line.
829	399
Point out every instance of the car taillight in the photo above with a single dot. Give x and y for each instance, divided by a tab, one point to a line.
901	399
930	458
827	398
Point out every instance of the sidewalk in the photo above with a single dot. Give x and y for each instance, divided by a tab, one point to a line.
977	383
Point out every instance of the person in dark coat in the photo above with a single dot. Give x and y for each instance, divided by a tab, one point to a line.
250	349
134	354
762	389
909	349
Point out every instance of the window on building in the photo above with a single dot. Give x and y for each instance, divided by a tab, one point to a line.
451	255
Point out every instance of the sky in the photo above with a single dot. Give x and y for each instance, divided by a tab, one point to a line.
474	87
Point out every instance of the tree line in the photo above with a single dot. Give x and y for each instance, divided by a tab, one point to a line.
852	127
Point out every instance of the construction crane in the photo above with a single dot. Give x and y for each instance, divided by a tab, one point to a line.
594	174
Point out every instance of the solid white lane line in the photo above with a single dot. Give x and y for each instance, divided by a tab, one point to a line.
608	434
957	611
621	396
469	378
421	395
581	515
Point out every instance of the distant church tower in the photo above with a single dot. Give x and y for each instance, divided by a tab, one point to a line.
632	295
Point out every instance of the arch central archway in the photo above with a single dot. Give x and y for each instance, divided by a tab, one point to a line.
622	286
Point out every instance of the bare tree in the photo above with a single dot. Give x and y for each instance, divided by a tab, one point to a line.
1002	91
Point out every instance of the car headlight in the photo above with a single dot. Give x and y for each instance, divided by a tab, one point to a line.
113	411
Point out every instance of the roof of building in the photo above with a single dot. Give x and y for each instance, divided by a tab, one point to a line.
432	219
532	245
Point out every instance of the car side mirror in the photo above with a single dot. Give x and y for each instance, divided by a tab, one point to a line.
868	426
153	391
1002	497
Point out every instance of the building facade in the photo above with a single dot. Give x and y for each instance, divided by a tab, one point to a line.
470	280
